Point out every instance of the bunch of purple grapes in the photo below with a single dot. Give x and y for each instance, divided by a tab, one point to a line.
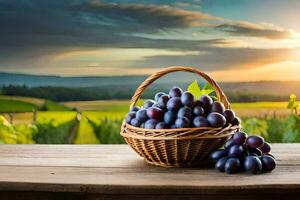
180	109
243	153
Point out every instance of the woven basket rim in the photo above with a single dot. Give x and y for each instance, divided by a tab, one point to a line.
178	129
178	134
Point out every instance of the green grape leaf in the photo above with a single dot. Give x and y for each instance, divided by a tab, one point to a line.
194	89
208	90
207	86
214	98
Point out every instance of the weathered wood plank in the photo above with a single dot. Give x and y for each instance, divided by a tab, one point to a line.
101	155
69	155
115	171
76	179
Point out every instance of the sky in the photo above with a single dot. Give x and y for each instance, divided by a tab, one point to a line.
233	40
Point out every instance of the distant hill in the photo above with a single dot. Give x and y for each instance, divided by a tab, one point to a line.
38	80
114	84
277	88
86	81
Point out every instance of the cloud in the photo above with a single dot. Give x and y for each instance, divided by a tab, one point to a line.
40	24
43	29
222	58
262	30
148	17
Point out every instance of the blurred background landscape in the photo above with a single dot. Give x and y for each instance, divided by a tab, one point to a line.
69	68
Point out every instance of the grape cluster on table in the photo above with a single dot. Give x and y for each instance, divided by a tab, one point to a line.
179	109
243	153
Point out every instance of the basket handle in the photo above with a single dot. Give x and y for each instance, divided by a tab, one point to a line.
139	91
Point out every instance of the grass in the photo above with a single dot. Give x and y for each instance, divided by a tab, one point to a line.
15	104
109	114
58	116
36	101
86	134
53	106
261	109
269	105
118	108
102	105
8	105
21	118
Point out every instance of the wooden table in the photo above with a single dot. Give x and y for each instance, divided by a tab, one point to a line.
116	172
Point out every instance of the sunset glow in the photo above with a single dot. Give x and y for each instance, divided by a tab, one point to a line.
105	38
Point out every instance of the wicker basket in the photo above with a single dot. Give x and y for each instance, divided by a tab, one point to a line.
176	147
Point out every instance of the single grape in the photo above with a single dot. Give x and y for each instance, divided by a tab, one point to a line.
216	120
229	143
173	126
198	111
268	163
130	116
220	164
151	124
169	117
236	151
174	104
187	99
182	122
162	125
141	115
135	108
232	165
255	141
155	113
239	137
253	154
218	154
200	121
198	103
217	107
254	150
185	112
157	95
175	92
135	122
266	148
229	115
156	105
148	103
236	121
206	102
163	100
268	154
253	164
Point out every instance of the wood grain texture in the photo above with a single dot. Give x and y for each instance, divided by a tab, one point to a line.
116	172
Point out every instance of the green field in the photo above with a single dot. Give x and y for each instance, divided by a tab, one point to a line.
36	101
100	120
14	104
116	109
101	105
120	107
